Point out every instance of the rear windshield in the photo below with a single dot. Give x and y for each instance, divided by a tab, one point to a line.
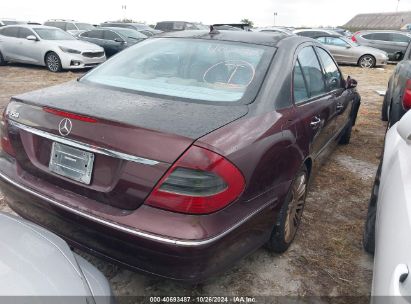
53	34
192	69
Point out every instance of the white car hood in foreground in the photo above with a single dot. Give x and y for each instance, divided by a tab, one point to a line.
35	262
78	45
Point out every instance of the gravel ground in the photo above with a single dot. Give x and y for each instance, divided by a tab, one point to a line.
326	258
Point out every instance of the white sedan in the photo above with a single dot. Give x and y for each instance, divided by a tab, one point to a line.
388	227
47	46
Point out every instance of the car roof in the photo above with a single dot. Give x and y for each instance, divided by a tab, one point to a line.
313	29
383	31
30	26
234	36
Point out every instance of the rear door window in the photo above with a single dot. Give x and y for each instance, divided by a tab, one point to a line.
312	72
332	74
10	31
299	86
381	36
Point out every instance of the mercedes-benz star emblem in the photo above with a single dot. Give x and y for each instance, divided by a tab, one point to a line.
65	127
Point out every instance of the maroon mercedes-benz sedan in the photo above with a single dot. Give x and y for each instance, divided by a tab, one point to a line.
182	154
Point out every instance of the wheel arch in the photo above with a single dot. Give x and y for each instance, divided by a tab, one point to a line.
45	55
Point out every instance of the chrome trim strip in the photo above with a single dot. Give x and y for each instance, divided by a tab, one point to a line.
84	146
149	236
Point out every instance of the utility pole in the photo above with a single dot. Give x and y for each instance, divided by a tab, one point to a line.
275	15
398	3
124	9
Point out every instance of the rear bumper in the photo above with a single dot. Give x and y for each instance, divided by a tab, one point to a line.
184	260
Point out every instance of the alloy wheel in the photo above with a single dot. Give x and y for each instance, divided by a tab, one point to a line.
295	207
53	62
367	62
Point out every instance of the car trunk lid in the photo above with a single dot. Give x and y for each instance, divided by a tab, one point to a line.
133	139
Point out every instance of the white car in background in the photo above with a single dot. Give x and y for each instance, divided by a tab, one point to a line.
47	46
388	226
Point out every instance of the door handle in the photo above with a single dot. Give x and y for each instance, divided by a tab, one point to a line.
339	107
315	122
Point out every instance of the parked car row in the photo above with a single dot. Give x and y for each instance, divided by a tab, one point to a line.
364	48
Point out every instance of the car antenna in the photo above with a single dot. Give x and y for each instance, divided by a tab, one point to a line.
213	31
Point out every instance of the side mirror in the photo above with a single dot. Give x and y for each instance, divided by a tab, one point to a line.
119	40
350	83
404	127
31	37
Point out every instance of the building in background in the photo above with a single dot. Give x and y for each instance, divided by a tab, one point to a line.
379	21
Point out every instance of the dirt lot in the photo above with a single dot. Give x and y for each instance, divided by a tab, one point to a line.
326	258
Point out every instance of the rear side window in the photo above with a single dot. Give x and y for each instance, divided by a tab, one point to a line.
23	33
400	38
312	72
379	36
299	87
10	32
332	74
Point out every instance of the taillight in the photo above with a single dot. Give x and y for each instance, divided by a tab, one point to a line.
406	98
200	182
5	140
353	38
69	115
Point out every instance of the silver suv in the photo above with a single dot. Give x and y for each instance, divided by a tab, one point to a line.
393	42
70	26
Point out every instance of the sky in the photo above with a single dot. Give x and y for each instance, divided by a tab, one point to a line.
289	12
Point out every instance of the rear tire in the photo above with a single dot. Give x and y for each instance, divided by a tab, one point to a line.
2	61
367	61
289	217
396	112
369	229
53	62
